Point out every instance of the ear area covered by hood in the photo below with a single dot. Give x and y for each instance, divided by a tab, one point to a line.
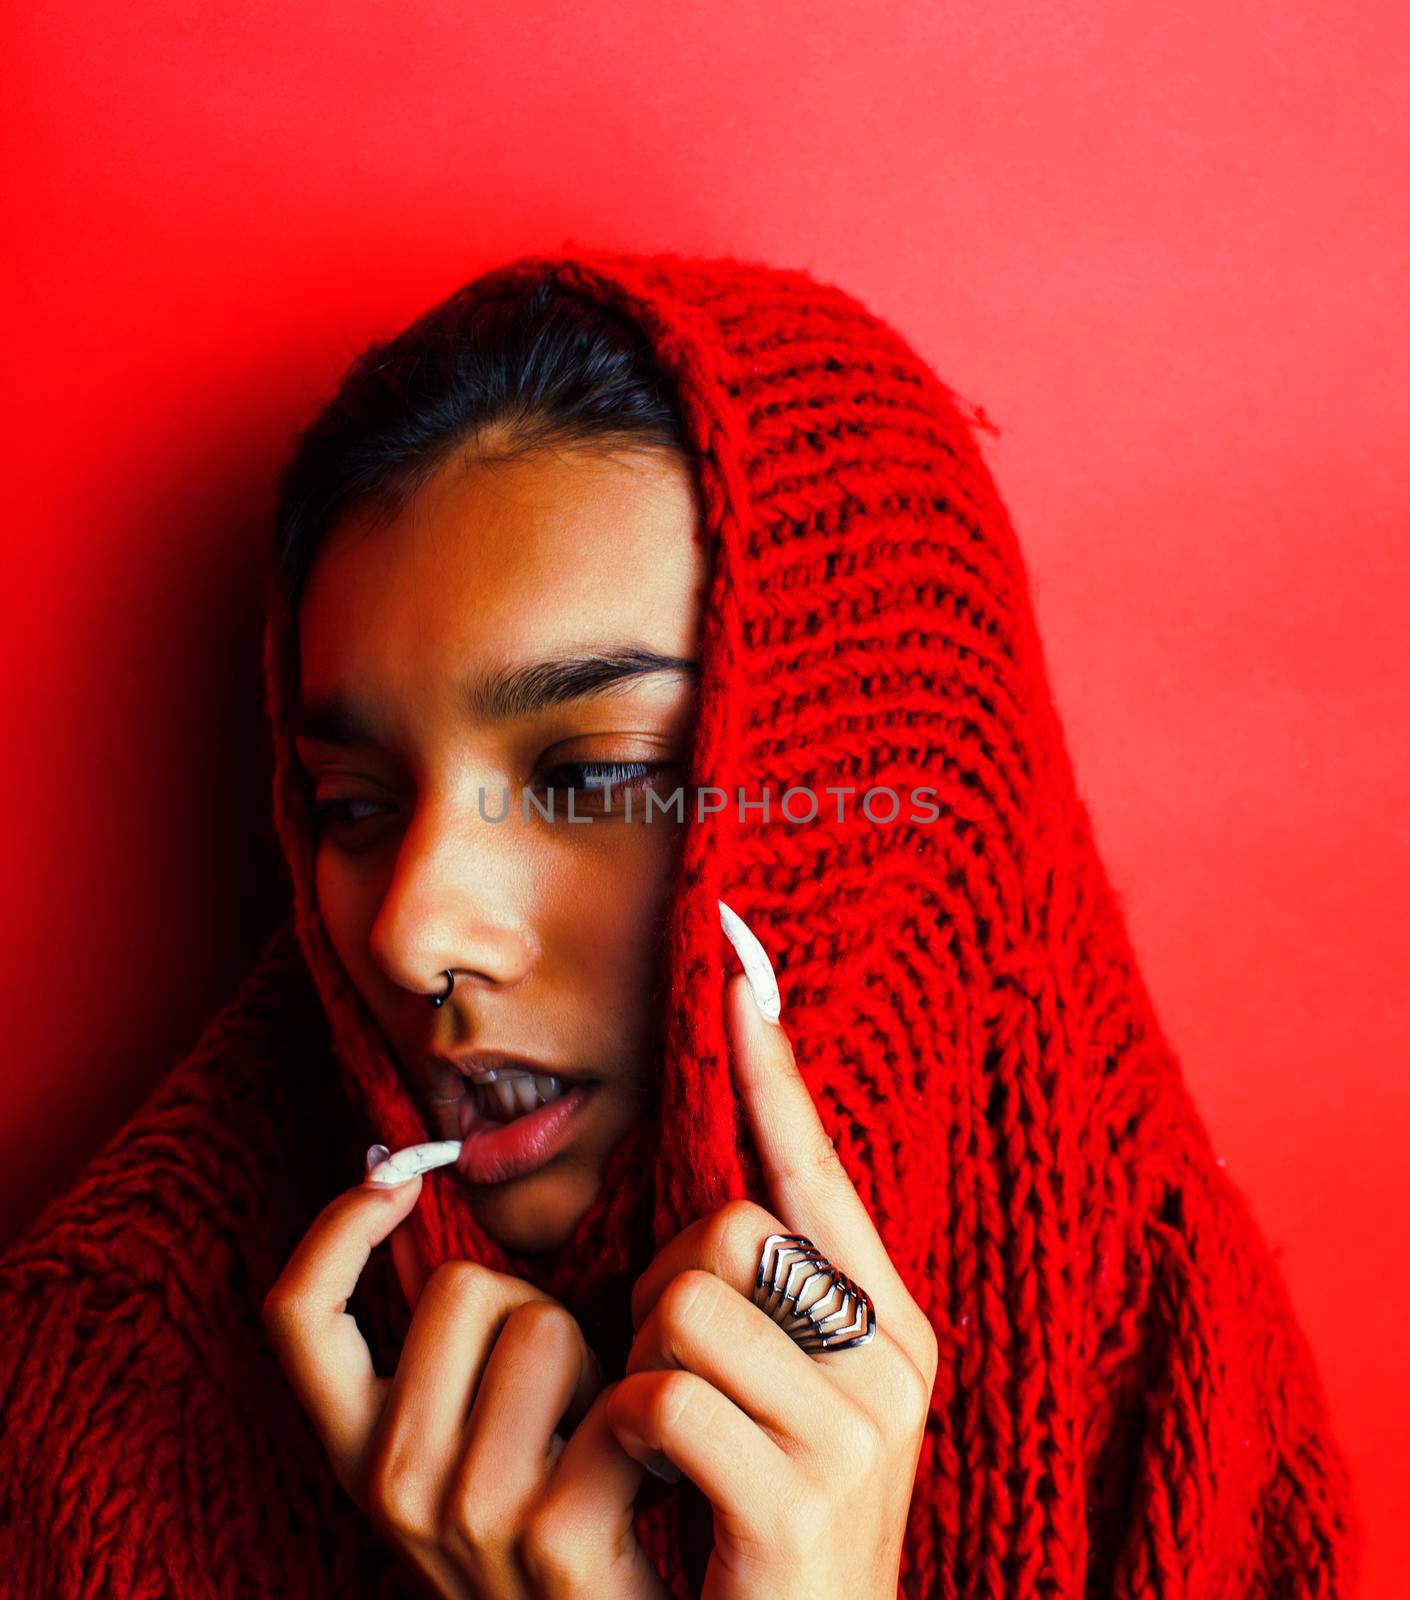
868	634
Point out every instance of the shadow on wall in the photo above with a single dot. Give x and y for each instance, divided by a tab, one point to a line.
155	875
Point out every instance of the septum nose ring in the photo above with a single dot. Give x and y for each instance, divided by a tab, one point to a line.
440	999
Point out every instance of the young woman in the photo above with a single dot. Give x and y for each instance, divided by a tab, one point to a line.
636	618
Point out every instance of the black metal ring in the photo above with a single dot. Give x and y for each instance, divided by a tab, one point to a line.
440	999
837	1315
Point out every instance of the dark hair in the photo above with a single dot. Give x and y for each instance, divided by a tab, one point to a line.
497	374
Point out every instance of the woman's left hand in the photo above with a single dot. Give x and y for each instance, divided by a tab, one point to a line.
807	1460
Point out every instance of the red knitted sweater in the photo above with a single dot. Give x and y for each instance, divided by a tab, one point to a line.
1125	1404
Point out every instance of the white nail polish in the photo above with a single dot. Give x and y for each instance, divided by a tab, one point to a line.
376	1153
414	1160
757	966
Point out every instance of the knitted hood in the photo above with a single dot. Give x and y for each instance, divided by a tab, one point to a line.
956	978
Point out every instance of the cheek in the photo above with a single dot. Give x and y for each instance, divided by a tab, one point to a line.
347	908
606	910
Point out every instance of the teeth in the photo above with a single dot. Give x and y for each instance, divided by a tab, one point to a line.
509	1095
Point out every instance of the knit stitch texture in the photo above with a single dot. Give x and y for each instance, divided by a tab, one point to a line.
1125	1404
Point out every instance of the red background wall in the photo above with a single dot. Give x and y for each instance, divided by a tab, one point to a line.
1165	249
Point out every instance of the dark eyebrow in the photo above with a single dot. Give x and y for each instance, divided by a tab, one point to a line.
513	693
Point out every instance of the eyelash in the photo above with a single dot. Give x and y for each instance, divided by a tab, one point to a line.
328	814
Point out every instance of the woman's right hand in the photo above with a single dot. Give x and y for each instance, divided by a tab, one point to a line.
457	1459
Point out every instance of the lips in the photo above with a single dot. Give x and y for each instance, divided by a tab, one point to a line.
492	1151
448	1072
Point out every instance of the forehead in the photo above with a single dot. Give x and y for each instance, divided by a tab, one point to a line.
559	547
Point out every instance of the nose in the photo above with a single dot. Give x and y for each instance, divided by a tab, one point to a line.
456	900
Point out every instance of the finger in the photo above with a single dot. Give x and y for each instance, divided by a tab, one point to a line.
702	1244
443	1361
809	1188
724	1246
411	1273
539	1369
581	1539
713	1442
701	1325
538	1383
317	1341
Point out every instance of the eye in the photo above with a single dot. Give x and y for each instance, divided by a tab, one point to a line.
594	780
329	814
595	785
602	773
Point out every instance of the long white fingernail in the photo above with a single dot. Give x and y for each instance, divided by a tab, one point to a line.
412	1161
757	966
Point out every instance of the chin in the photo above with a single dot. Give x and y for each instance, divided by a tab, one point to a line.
535	1213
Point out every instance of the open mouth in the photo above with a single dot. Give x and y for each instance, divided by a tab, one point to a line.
516	1124
511	1095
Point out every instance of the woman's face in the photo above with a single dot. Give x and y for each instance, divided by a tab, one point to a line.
435	674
